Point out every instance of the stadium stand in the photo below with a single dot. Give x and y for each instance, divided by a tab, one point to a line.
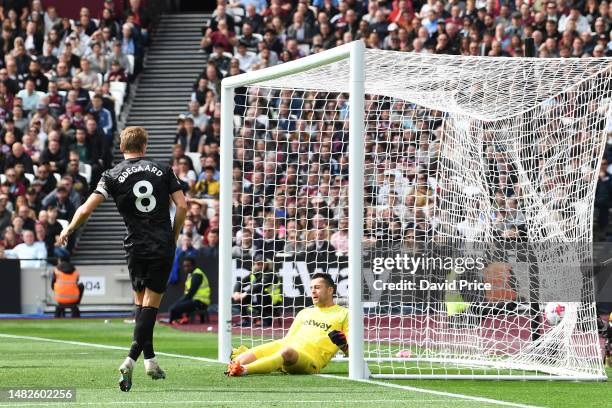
161	93
63	84
177	97
248	35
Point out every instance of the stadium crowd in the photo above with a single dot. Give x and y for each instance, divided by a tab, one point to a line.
62	84
290	156
58	117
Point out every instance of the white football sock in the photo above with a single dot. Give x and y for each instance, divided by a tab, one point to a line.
128	362
150	362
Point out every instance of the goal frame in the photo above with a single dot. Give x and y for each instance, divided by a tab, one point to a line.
355	52
358	370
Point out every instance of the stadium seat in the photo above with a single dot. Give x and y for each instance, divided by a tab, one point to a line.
130	59
85	171
29	176
118	86
57	176
305	48
195	158
118	90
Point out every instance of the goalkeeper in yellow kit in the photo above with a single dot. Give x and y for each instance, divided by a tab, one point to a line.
313	339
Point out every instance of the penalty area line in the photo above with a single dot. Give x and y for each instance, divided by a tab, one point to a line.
338	377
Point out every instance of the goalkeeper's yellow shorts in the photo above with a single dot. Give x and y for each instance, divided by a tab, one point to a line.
305	364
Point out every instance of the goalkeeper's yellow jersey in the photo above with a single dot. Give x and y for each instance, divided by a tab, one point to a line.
310	328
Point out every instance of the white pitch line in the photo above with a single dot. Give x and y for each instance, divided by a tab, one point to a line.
104	346
428	391
233	402
210	360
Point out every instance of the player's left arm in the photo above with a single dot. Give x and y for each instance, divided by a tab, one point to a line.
181	211
81	215
178	197
340	338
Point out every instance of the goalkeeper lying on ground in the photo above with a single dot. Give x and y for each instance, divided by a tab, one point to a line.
314	337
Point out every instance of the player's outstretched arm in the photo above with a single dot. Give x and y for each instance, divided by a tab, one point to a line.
181	211
81	215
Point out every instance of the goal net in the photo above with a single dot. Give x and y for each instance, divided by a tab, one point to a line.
477	171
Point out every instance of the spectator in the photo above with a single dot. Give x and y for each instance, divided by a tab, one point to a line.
98	61
80	184
245	57
18	156
189	136
54	156
62	76
247	38
244	250
15	187
268	243
44	121
208	187
54	229
103	117
196	296
30	96
67	183
190	229
184	250
257	293
10	238
339	239
117	54
46	178
222	36
59	200
82	98
89	78
210	251
116	73
32	254
67	288
5	213
185	174
200	120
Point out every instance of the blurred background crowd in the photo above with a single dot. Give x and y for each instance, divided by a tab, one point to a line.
290	157
62	86
60	93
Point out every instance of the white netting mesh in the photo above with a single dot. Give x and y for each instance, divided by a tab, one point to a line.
458	149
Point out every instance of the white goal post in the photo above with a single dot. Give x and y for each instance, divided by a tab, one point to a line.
484	155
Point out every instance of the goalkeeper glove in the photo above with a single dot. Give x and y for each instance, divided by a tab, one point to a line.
338	338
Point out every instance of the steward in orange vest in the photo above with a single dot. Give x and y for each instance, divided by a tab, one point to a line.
68	290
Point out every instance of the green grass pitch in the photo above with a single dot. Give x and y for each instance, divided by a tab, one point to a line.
200	383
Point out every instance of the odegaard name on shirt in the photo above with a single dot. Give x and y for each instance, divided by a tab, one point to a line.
137	169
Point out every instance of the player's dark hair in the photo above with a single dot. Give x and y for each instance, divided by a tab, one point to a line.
190	259
327	278
133	139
